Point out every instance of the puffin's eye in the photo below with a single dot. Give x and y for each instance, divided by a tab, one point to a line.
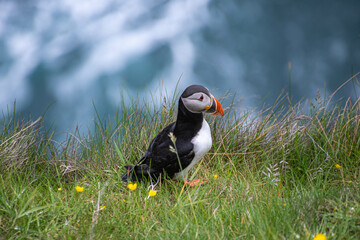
201	98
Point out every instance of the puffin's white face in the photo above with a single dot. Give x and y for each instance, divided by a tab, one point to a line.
198	99
197	102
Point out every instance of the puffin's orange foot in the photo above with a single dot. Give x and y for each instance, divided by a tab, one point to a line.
194	182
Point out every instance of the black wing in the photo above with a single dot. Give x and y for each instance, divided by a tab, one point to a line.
159	159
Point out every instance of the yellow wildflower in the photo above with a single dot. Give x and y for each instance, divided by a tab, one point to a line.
79	189
123	200
59	189
337	166
102	207
215	176
152	193
132	187
284	204
350	182
320	236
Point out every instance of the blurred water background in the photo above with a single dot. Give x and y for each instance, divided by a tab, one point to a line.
66	55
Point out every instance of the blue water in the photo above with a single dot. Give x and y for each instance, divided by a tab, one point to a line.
70	54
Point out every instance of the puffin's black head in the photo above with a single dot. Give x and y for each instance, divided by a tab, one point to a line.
198	99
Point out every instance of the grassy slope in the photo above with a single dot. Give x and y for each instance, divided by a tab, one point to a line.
277	178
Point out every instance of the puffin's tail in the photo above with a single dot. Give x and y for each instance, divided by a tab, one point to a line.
135	173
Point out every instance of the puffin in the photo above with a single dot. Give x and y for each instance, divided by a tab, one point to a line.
181	144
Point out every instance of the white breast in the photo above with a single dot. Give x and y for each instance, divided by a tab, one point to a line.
202	144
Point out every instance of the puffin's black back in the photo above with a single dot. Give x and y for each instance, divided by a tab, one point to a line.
158	158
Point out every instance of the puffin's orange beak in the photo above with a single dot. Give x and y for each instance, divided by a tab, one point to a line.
215	108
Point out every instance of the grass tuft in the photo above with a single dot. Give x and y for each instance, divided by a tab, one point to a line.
280	172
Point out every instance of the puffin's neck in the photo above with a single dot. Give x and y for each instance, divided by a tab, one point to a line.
188	121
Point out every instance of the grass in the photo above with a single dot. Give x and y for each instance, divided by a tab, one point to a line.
277	177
